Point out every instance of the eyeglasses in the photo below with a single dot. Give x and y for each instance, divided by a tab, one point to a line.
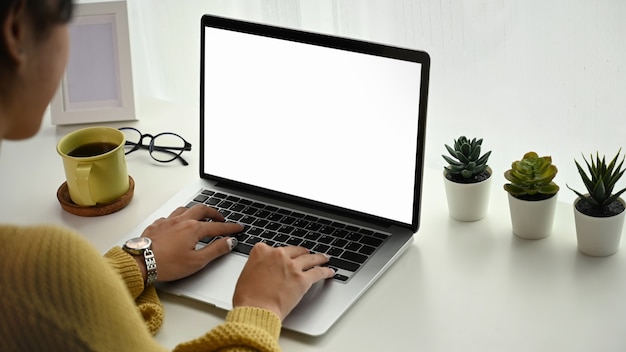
164	147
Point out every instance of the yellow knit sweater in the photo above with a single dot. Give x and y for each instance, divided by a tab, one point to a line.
58	293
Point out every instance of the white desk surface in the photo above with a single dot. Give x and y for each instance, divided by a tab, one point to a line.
461	286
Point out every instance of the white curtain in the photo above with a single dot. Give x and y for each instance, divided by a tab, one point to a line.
548	76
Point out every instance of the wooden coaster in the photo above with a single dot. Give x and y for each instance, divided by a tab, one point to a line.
63	195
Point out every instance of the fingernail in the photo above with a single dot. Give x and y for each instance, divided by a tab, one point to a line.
232	242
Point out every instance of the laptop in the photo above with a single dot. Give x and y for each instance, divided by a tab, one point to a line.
307	139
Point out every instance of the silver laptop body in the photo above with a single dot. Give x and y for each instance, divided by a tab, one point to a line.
321	126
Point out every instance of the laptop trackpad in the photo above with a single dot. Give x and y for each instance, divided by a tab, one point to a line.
214	284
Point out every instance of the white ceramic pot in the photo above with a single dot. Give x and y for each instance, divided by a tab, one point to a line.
468	201
532	220
598	237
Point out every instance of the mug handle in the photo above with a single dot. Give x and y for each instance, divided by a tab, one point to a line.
82	179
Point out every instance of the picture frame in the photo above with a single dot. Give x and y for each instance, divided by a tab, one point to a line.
97	85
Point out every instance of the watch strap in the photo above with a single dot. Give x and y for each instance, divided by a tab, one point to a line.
151	268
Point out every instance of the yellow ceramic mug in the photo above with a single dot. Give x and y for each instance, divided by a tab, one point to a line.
95	165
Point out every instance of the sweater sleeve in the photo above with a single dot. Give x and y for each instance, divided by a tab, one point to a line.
146	298
245	329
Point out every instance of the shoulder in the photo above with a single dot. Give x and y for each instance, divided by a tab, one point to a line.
34	240
47	252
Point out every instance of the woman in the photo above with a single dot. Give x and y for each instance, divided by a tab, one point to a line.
58	293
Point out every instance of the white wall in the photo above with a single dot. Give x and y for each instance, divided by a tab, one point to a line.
548	76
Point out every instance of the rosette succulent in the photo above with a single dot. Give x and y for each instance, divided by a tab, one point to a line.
531	178
465	164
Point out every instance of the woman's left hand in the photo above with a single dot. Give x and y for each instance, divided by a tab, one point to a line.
174	241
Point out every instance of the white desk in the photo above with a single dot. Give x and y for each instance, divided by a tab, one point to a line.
461	286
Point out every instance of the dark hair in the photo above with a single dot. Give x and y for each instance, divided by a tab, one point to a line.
44	13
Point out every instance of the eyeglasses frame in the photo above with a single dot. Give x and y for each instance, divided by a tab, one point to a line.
175	151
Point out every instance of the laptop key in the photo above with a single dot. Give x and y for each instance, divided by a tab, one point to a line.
281	238
260	222
250	210
294	241
268	234
340	277
321	248
262	214
212	201
343	264
238	207
247	219
253	240
225	204
334	251
327	230
372	241
340	242
235	216
367	250
254	231
300	223
353	236
325	239
288	220
243	248
299	233
273	226
275	217
382	236
308	244
353	246
201	198
286	229
355	257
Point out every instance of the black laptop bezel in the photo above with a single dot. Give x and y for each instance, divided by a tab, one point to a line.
337	43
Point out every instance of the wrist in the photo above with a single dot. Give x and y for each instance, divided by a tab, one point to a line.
141	249
141	264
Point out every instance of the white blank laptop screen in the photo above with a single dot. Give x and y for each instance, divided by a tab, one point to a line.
329	125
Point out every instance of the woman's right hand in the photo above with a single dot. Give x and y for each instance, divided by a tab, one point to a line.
277	278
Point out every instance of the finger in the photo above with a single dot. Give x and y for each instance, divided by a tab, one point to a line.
214	229
319	273
178	211
159	220
217	248
295	251
308	261
201	212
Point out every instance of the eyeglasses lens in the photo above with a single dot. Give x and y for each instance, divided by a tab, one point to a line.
132	139
167	146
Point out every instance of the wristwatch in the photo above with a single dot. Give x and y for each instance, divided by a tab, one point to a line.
143	246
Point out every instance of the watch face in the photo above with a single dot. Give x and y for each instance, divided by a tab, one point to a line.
139	243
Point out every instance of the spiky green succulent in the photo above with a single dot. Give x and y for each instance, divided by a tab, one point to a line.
531	178
466	162
600	181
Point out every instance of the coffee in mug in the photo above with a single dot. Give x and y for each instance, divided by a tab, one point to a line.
95	165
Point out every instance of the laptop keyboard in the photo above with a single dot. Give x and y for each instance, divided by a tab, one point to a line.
348	246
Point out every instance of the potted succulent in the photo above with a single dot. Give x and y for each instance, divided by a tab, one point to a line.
467	179
599	214
532	195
